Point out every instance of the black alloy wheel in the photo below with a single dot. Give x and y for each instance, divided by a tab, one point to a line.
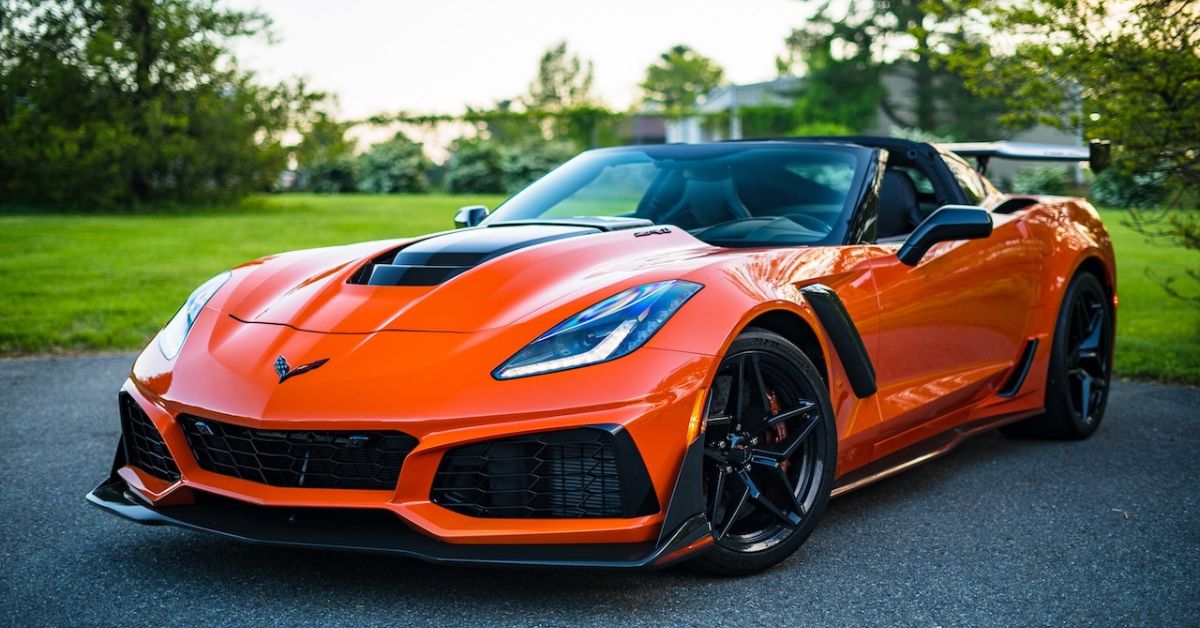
769	455
1088	356
1080	371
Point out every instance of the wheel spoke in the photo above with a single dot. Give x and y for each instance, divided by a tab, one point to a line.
737	511
763	397
1085	397
793	444
1078	325
788	415
791	490
777	471
761	500
718	509
1091	338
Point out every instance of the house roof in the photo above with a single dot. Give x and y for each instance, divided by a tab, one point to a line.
780	91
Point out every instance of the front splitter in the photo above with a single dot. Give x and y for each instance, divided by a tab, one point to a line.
382	532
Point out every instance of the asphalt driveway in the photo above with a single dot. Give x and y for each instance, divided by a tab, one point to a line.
1002	531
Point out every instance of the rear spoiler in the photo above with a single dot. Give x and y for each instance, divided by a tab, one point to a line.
1098	153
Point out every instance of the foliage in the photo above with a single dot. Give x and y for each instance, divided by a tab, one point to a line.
485	166
1049	180
564	80
1126	73
818	129
474	166
325	156
679	79
1117	188
397	165
522	164
124	102
841	79
1129	73
333	175
847	48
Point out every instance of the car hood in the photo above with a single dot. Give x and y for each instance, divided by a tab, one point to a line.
458	281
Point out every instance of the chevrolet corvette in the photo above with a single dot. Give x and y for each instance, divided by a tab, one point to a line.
653	354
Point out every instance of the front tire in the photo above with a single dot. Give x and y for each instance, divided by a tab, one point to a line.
1078	379
770	454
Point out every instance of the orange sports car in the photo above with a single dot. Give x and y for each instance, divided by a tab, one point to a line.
652	354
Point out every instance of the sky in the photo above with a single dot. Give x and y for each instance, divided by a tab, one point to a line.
437	56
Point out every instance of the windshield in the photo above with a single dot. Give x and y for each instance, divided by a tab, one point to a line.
751	194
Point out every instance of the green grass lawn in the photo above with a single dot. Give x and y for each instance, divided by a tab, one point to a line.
108	282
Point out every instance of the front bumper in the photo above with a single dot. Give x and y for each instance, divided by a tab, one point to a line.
685	533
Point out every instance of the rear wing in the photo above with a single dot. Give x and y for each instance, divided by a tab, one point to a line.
1097	153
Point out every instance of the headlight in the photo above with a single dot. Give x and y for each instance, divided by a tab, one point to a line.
170	339
609	329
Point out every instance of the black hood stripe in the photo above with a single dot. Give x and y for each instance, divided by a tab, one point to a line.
436	259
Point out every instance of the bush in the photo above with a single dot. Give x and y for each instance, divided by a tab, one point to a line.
474	167
335	175
820	129
523	164
1115	188
1051	180
487	166
392	167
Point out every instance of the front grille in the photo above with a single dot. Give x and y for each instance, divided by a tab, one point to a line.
578	473
299	458
144	446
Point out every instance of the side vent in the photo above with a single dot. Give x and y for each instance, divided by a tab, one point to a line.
1017	379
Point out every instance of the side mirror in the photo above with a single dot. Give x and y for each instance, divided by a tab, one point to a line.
469	216
952	222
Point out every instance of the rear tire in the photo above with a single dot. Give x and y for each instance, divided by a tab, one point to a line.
770	454
1078	379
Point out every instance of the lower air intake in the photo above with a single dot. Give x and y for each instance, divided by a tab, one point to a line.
144	446
299	458
591	472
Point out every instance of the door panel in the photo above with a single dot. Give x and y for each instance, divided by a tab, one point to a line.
952	326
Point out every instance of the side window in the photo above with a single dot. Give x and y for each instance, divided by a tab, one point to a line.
967	179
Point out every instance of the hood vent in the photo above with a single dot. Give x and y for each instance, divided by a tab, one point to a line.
439	258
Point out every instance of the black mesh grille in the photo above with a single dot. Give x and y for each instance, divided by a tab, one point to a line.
299	458
144	446
568	473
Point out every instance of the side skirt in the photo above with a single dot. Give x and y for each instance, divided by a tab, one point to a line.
933	447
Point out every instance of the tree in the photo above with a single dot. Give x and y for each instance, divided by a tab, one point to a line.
842	81
392	167
474	167
679	79
120	102
325	156
564	80
1126	72
847	48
